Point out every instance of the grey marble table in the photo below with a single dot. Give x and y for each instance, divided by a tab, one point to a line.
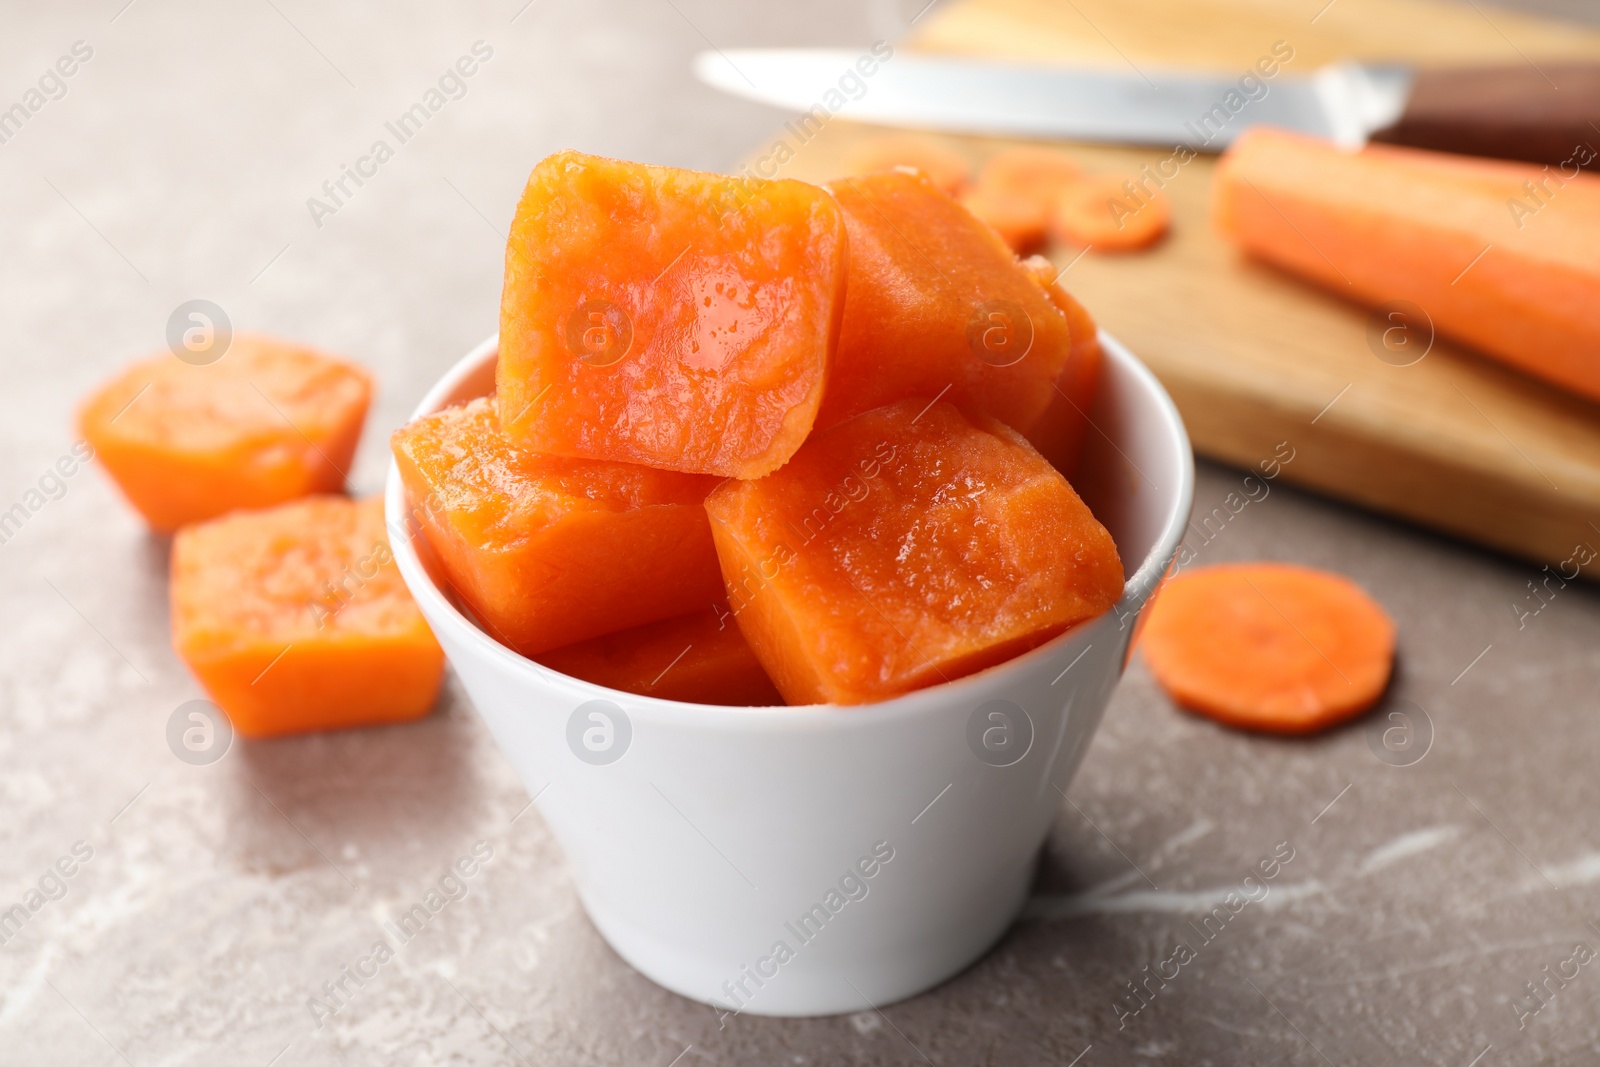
206	904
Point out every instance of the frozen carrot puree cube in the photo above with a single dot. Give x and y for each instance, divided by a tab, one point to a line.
547	550
701	657
937	305
907	546
295	618
667	317
267	422
1060	432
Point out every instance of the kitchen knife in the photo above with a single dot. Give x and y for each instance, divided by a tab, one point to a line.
1545	114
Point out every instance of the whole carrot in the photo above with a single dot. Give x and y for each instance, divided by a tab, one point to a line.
1503	257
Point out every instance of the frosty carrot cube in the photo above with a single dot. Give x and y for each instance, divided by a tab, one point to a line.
701	657
548	550
1059	433
907	546
296	618
267	422
667	317
938	305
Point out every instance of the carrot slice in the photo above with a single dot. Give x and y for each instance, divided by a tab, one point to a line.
1034	172
549	550
1020	221
1061	431
907	546
267	422
1500	256
945	167
667	317
295	618
701	658
1269	646
936	304
1103	213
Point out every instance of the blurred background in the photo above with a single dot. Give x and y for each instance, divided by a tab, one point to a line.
178	162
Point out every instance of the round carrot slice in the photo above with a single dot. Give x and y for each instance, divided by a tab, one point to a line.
1102	212
1020	221
945	167
1269	646
1031	171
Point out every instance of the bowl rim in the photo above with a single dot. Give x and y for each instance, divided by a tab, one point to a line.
685	715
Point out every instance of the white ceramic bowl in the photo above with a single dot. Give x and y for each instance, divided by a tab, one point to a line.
812	860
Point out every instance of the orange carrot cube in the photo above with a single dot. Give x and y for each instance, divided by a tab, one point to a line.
702	658
1059	433
548	550
269	421
295	618
907	546
937	305
667	317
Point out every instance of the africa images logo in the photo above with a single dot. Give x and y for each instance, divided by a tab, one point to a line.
851	887
451	85
599	732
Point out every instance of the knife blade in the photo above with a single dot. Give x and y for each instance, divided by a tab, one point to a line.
1345	102
1546	112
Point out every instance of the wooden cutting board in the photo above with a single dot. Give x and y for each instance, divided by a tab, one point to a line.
1254	357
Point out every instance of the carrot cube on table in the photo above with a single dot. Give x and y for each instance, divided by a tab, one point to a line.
548	550
667	317
907	546
295	618
267	422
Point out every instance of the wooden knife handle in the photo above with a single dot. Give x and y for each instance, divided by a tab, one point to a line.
1545	114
